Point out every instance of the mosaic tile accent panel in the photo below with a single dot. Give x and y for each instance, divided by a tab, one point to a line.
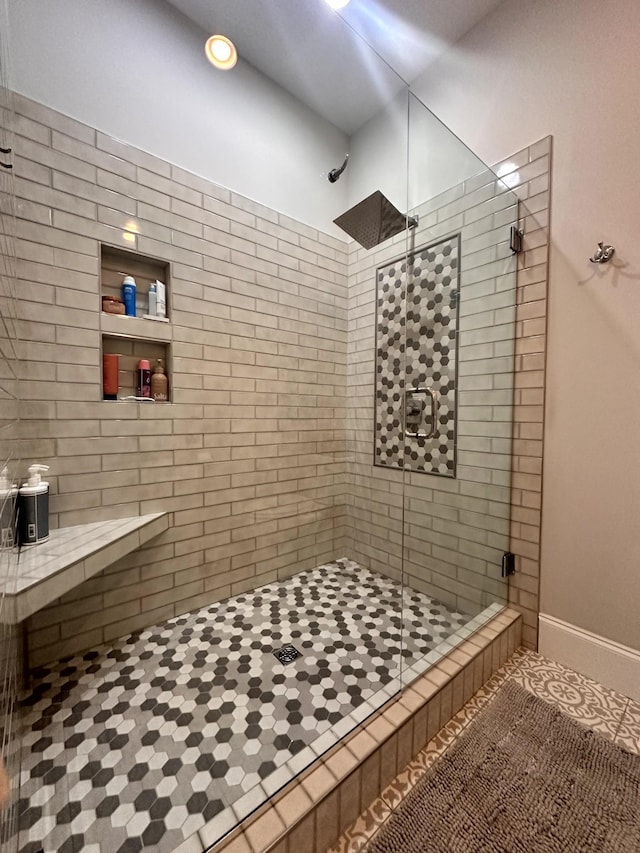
139	745
418	299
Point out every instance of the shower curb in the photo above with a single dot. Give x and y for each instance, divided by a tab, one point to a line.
312	811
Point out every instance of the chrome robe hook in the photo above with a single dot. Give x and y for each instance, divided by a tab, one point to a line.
602	254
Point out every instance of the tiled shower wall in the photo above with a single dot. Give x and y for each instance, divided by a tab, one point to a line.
456	530
249	457
529	175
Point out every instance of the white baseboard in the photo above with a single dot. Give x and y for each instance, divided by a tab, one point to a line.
612	664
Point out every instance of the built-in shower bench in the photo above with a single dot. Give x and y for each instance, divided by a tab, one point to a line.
71	556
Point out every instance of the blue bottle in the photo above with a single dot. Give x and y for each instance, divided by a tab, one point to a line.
129	295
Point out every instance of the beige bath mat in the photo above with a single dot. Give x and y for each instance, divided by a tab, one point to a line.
523	778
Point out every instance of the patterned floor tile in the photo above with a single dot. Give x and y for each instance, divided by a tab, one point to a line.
629	731
365	827
138	745
583	699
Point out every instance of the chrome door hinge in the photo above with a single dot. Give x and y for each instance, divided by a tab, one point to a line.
508	564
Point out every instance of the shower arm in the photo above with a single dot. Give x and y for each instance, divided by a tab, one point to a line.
334	174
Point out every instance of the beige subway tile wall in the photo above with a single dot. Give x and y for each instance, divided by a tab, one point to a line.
531	182
265	469
248	457
455	530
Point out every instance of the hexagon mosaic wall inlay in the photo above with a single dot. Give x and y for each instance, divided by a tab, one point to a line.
416	348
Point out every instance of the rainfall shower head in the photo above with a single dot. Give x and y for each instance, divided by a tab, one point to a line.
373	220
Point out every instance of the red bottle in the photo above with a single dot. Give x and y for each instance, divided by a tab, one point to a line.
110	369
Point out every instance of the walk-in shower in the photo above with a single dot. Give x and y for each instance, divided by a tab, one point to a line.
337	473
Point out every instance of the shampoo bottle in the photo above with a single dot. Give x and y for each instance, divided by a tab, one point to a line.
33	508
129	295
8	506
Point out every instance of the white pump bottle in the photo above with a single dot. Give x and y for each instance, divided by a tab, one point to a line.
33	507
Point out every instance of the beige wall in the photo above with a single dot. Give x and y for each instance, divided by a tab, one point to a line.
242	130
248	457
571	69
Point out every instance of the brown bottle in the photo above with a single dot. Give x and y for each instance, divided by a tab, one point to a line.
159	383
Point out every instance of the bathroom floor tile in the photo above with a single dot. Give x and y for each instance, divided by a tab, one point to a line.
141	744
363	829
583	699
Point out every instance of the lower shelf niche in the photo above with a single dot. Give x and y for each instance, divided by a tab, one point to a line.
130	351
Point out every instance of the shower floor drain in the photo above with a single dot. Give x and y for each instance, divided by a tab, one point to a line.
287	654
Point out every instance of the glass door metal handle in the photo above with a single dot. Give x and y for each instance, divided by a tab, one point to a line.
414	406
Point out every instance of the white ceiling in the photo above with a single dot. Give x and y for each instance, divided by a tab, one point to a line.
313	52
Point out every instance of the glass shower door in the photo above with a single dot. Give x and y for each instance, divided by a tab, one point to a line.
10	634
454	391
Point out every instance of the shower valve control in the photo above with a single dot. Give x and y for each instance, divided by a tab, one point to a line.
415	406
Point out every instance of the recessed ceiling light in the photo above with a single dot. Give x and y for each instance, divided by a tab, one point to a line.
337	4
221	52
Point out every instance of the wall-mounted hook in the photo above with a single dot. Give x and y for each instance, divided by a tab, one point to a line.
5	165
602	254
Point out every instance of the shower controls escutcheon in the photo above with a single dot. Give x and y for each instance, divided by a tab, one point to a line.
415	404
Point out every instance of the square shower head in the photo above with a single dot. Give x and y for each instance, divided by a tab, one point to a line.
373	220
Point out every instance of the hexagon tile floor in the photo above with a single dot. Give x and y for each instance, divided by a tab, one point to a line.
195	721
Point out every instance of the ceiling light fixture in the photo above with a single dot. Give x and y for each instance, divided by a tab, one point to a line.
221	52
337	4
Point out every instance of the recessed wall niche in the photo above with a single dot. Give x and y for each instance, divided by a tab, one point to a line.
134	338
116	263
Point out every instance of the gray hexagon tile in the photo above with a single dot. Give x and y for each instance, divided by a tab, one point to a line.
189	724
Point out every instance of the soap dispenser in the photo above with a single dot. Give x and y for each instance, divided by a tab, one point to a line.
8	505
159	383
33	507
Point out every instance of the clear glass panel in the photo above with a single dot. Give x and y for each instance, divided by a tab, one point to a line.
455	390
10	634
